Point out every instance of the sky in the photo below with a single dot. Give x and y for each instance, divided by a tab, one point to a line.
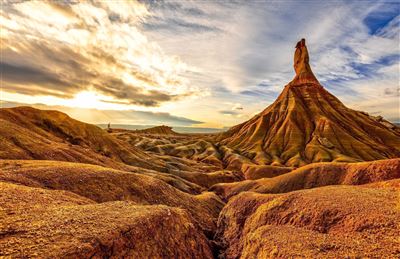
194	63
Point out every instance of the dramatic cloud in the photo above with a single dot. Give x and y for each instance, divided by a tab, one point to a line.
197	59
251	54
70	47
132	117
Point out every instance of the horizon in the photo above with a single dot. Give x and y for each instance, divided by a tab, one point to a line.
194	64
178	129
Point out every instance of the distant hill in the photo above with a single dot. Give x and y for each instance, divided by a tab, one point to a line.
176	129
161	130
29	133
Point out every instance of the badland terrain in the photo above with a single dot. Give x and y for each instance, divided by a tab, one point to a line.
306	177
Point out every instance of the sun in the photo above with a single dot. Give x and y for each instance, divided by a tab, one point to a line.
86	99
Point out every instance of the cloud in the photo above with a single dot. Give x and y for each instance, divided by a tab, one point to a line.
20	75
118	88
132	117
67	47
392	91
251	58
260	93
178	17
237	106
163	53
177	25
229	112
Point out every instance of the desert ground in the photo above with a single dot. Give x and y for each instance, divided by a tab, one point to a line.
305	178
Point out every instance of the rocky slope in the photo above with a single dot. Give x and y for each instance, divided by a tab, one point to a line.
307	124
158	130
316	175
28	133
328	222
259	190
40	223
102	184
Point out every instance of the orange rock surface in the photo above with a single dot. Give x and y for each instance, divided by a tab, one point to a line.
316	175
328	222
307	177
40	223
307	124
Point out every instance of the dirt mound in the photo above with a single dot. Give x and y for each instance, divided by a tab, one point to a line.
102	184
307	124
192	147
327	222
209	179
59	224
28	133
198	150
316	175
158	130
254	172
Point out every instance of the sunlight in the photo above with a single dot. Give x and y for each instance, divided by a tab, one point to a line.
86	99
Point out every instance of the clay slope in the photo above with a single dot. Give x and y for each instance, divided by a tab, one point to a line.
316	175
307	124
102	184
327	222
190	157
158	130
190	147
38	223
28	133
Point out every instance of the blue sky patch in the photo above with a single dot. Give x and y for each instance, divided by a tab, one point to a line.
380	18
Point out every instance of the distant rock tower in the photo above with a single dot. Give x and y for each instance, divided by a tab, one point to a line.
307	124
304	74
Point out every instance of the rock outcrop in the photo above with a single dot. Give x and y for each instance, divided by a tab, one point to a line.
28	133
102	184
328	222
316	175
158	130
304	74
39	223
307	124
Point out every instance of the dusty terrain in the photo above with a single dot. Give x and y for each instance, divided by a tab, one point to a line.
316	175
328	222
307	177
42	223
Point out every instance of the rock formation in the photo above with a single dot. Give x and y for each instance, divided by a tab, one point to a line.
280	185
28	133
307	124
40	223
316	175
162	130
301	65
327	222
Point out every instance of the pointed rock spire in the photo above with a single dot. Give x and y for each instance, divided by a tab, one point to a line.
304	74
307	124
